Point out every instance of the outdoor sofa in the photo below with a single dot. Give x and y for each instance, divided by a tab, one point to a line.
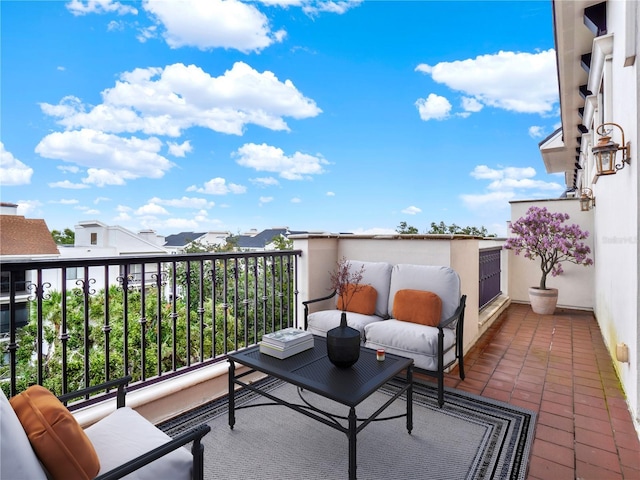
415	311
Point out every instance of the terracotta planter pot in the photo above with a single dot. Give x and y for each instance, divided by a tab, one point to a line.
543	302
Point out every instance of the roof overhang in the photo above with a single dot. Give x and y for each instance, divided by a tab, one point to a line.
574	41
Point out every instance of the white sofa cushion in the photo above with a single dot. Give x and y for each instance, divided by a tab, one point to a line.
319	323
378	275
443	281
413	340
125	434
18	461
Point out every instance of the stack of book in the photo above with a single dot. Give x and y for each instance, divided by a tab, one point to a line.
286	342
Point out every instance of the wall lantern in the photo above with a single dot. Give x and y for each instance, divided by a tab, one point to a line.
605	151
587	200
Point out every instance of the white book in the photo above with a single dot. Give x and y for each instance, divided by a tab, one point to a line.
287	337
282	353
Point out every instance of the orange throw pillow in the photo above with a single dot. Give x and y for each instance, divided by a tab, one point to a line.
417	306
55	435
362	301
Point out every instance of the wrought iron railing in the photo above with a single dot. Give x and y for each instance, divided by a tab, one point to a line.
489	275
72	323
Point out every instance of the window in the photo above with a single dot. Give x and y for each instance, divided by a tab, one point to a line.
94	238
74	273
21	317
19	279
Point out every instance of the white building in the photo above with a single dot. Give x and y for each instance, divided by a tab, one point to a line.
597	45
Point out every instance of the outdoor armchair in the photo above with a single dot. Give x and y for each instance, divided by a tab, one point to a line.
48	443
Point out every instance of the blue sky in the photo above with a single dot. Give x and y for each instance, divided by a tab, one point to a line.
341	116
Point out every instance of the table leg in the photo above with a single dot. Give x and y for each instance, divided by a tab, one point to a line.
410	399
231	395
352	443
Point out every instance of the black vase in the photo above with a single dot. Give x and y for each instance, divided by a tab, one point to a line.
343	344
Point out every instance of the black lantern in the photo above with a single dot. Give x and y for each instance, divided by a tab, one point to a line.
605	151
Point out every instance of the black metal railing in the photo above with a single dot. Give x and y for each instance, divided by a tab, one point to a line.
489	275
72	323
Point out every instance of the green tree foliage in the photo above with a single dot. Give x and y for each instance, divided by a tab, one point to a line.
66	237
404	228
453	229
281	242
443	229
165	328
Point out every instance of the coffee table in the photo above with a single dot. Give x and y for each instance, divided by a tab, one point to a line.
312	370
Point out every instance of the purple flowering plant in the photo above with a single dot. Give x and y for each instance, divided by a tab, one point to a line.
543	234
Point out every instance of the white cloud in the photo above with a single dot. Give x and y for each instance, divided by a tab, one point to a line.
65	201
265	181
514	81
28	208
488	201
184	202
123	213
12	170
68	184
485	173
110	159
166	101
86	210
264	200
296	200
79	7
207	24
411	210
505	184
179	150
434	107
151	209
298	166
68	168
218	186
330	6
471	105
331	194
536	132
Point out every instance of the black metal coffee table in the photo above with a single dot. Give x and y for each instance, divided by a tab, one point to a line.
312	370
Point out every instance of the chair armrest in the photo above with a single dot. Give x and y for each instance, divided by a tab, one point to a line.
194	435
307	302
314	300
457	315
121	383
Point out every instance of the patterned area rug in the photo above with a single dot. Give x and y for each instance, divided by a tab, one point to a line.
471	437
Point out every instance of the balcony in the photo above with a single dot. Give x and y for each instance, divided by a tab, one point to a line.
89	315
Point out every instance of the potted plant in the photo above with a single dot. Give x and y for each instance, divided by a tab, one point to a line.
541	234
343	342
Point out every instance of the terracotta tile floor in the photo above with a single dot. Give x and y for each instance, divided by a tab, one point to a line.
558	366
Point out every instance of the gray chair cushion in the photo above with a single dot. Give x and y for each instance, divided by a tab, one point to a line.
319	323
124	435
412	340
443	281
378	275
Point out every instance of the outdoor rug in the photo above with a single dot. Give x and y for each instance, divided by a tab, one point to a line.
470	437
